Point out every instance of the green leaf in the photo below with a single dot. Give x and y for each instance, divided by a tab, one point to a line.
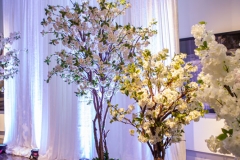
73	22
202	22
140	93
205	44
224	131
200	81
138	119
127	92
221	137
43	22
47	61
46	11
198	49
122	2
230	132
146	53
127	27
63	13
123	88
89	102
116	26
203	112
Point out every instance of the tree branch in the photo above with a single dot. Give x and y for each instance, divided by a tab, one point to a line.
151	148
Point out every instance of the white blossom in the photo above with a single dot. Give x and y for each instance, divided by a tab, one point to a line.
219	88
9	61
131	131
162	110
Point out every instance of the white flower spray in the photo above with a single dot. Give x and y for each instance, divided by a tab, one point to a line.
219	87
165	99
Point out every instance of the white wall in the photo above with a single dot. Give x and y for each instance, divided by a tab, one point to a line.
193	155
197	132
220	15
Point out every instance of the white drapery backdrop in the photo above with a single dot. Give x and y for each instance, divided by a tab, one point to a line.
37	114
49	116
141	14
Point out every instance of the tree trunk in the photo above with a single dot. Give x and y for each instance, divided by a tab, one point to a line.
98	127
98	137
158	151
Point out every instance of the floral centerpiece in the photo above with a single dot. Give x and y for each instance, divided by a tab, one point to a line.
96	50
9	61
165	100
220	88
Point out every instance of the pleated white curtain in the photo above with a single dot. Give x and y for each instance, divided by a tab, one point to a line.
23	93
37	114
49	116
141	14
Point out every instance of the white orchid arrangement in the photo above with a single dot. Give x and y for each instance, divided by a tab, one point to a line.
96	50
220	88
165	99
9	61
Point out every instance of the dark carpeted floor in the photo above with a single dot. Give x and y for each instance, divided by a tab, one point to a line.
11	157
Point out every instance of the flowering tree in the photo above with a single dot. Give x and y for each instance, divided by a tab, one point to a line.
96	50
220	88
8	61
165	97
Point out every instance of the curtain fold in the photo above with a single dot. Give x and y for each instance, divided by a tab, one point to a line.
50	116
19	97
37	114
141	14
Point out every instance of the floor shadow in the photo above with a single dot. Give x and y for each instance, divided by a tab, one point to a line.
11	157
